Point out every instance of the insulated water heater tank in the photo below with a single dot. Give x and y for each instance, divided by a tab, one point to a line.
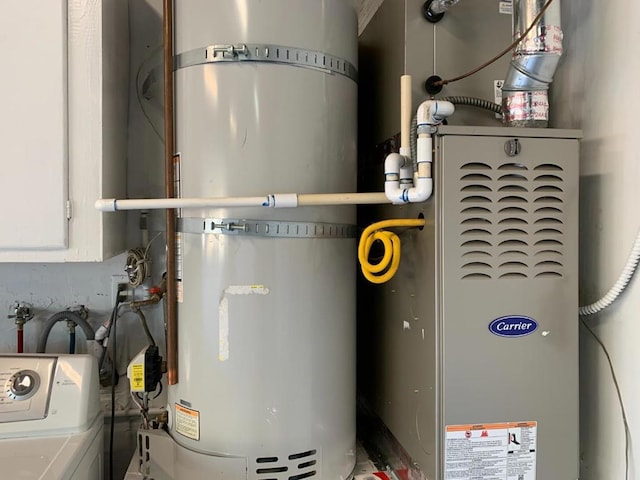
266	103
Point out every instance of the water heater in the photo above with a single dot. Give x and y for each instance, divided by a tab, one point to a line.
265	102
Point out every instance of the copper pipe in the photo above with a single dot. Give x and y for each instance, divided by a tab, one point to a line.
152	300
169	150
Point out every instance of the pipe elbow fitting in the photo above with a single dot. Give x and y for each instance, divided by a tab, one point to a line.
432	113
393	163
395	194
422	190
401	196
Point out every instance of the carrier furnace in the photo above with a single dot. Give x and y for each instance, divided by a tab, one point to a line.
470	354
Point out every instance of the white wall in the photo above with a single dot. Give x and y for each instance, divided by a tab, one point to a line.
53	287
596	90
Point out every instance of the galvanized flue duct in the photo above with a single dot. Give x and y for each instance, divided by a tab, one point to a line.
525	97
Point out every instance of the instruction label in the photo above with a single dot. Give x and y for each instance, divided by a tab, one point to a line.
505	8
497	94
137	377
493	451
179	269
188	422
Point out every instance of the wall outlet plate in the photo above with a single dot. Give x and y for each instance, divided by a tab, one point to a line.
117	280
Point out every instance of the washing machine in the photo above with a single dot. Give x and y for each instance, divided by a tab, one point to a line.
51	423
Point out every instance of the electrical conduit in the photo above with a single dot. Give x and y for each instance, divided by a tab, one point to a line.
620	286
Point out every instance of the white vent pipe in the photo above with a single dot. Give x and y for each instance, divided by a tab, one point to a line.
525	97
401	185
276	200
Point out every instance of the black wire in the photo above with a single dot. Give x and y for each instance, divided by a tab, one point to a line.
72	342
114	316
627	431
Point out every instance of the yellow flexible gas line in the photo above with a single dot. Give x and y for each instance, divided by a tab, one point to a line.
391	242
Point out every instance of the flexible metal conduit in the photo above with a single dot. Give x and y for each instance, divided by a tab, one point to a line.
169	151
620	286
474	102
525	91
59	317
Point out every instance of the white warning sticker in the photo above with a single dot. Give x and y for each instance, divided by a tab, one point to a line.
179	268
188	422
497	94
495	451
506	7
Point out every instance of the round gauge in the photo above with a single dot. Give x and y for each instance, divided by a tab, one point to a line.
23	385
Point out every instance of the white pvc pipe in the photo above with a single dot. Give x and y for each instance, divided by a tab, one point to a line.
398	190
406	113
424	183
422	191
431	113
393	166
278	200
310	199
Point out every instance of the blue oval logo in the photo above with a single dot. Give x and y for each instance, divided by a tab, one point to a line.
513	326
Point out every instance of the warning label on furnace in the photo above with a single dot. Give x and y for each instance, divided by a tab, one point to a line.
187	422
492	451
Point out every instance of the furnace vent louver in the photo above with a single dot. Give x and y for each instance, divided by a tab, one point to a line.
512	220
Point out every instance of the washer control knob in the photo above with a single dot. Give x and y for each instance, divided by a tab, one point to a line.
23	385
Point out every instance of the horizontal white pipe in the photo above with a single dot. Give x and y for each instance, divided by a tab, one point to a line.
311	199
282	200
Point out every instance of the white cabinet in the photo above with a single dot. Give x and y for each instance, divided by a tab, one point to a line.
63	128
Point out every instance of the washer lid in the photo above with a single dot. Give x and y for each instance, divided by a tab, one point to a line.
44	458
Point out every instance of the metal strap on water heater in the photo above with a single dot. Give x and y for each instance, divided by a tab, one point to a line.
279	54
266	228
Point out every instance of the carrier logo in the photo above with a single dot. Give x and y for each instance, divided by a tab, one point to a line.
513	326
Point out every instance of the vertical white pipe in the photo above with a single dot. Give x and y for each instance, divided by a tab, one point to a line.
405	115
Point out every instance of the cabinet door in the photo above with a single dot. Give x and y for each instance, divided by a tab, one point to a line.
33	124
